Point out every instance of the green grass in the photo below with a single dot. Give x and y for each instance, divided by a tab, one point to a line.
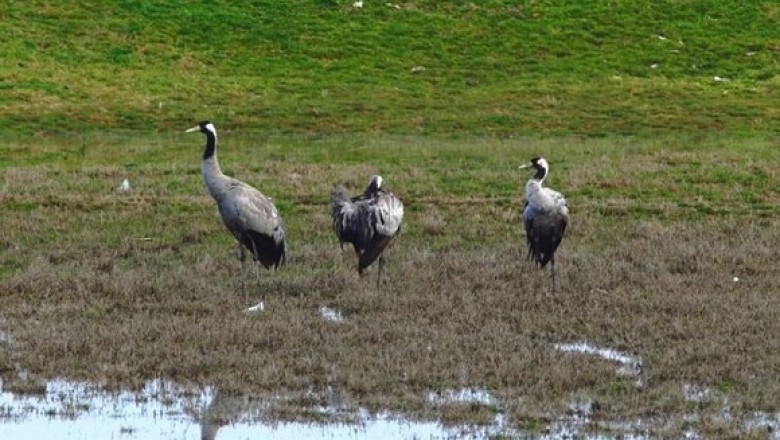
496	67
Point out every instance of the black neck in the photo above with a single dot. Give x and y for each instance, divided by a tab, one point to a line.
211	145
540	173
371	190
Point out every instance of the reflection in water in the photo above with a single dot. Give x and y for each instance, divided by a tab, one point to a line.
79	410
229	417
165	410
476	396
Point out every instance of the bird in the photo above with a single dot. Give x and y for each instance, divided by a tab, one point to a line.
545	216
249	215
369	221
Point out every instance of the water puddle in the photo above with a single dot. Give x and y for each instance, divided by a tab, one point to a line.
77	410
476	396
163	410
696	393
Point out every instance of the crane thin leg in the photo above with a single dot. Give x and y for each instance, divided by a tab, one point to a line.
380	264
257	264
242	256
552	273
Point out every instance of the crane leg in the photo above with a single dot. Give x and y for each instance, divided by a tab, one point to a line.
256	260
380	264
552	273
242	257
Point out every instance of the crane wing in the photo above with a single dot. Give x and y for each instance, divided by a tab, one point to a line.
544	229
380	220
249	210
254	220
388	213
344	215
558	200
368	222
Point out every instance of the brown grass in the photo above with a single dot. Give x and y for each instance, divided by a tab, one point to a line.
120	288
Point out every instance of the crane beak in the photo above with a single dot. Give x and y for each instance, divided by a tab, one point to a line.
525	165
195	128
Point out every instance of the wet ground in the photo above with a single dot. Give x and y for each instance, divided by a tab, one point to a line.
165	410
162	410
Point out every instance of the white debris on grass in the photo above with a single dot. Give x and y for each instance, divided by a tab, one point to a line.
259	307
629	365
606	353
124	186
330	314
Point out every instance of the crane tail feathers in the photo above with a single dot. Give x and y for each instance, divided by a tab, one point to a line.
338	197
269	251
341	214
372	253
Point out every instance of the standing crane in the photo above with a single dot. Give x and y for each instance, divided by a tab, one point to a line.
369	221
249	215
545	216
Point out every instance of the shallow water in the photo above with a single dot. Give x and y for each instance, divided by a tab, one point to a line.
477	396
163	410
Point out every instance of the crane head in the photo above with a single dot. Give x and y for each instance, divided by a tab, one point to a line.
375	184
203	127
541	166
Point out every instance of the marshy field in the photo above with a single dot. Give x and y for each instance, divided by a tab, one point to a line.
663	139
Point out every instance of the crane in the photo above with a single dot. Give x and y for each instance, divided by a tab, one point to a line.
545	216
250	216
369	221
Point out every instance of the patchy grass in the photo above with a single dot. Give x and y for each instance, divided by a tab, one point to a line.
120	287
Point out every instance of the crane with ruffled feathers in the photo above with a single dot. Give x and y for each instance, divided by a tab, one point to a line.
545	216
369	222
247	213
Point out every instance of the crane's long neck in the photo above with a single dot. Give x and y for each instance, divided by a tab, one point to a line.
212	173
541	174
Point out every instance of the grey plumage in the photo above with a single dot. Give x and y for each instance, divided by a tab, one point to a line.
545	217
249	215
369	221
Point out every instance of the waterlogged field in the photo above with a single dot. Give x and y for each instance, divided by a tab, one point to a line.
664	321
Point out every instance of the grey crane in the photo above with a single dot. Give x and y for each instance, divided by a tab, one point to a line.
249	215
545	216
369	221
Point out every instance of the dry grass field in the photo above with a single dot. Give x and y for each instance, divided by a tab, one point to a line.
119	287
